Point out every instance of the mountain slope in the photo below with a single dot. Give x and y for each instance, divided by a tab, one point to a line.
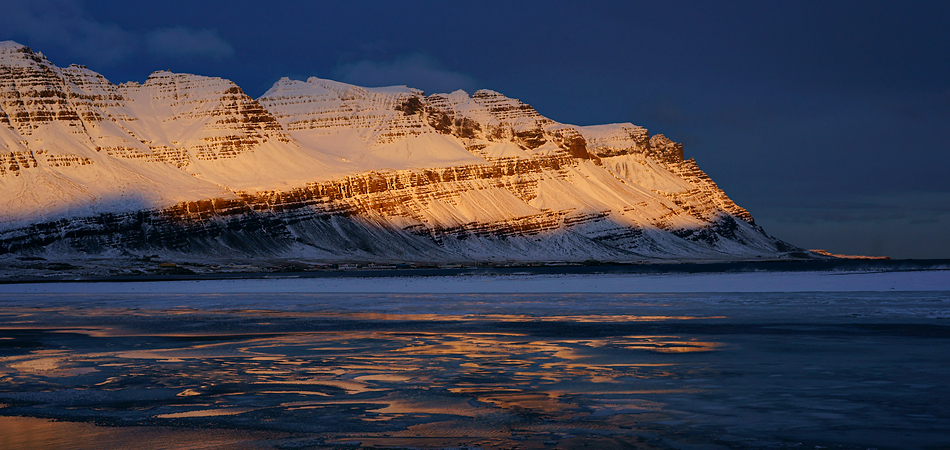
189	165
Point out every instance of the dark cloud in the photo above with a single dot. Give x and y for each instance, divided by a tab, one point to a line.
899	224
181	42
64	24
67	26
415	70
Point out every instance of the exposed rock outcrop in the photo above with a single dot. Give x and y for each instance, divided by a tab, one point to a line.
321	169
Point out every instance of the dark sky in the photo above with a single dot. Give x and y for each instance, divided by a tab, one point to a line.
828	120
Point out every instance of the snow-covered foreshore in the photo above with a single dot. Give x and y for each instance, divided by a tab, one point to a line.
830	281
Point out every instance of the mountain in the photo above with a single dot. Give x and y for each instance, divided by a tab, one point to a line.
186	166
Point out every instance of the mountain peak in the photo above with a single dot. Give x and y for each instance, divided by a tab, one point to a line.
487	93
15	54
13	46
339	172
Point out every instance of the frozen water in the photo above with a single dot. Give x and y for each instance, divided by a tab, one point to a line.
831	281
803	360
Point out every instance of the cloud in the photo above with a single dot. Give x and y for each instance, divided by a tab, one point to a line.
65	24
843	208
899	224
180	42
415	70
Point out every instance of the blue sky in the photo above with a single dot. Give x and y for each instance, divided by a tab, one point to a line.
828	120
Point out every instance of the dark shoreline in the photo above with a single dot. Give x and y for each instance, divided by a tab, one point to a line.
181	274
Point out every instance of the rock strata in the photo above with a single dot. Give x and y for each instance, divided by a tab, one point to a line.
189	165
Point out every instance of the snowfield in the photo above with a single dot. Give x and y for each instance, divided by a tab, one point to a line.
834	281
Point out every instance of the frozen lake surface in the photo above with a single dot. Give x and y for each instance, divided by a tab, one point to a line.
764	281
686	361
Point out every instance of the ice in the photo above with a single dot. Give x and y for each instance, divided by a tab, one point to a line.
832	281
831	359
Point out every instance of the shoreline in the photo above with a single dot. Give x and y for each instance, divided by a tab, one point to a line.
294	269
510	283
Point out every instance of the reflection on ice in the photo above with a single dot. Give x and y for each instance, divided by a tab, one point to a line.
205	413
476	370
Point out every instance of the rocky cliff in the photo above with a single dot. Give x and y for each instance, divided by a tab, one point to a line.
189	165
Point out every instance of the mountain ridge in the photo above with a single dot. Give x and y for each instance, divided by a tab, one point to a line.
190	165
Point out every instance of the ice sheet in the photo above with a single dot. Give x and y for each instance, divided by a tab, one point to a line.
924	280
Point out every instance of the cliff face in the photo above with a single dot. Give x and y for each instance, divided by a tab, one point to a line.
325	170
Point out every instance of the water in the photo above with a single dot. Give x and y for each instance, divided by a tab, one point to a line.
851	370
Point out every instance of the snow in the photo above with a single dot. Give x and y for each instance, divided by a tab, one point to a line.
393	90
640	171
360	126
426	150
155	147
612	134
12	54
6	46
503	150
762	282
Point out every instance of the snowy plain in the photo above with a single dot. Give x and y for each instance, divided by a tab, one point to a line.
830	281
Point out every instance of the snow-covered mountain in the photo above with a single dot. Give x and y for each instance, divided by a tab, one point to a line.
186	164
